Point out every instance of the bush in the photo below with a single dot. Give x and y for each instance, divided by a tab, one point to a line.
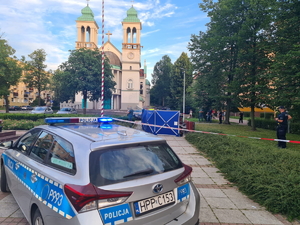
246	114
267	115
21	124
272	125
269	176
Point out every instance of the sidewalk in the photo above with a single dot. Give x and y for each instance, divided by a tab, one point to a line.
221	203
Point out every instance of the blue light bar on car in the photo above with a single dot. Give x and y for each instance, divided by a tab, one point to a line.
78	120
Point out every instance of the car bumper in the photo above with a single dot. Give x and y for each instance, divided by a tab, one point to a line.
191	215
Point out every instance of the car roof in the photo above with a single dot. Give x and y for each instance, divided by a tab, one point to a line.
103	136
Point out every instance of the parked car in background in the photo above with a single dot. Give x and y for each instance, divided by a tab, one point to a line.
14	108
137	114
67	110
27	107
42	110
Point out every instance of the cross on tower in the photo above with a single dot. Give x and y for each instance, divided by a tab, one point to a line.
132	2
87	2
108	34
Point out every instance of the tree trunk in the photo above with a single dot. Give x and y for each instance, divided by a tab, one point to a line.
252	118
228	107
84	102
7	104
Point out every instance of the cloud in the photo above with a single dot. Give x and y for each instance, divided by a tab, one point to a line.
150	32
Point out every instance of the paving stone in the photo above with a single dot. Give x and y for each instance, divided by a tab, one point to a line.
7	208
207	215
219	180
203	203
203	180
231	216
212	193
8	199
220	203
261	217
18	214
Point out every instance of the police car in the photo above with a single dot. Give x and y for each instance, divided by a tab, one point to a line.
90	171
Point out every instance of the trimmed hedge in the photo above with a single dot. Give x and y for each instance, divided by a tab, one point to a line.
34	117
272	125
270	176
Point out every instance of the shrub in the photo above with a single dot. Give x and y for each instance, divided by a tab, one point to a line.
272	125
269	176
267	115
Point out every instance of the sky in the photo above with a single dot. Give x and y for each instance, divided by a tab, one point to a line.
167	26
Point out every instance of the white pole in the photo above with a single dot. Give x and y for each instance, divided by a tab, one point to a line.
183	107
102	79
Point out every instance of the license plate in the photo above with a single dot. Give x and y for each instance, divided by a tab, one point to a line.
154	202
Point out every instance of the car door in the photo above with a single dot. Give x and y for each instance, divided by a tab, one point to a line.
29	176
15	158
54	163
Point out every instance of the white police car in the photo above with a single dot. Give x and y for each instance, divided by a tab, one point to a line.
88	171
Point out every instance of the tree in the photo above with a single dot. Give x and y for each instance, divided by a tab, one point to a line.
160	78
181	67
82	73
233	53
10	70
285	69
36	76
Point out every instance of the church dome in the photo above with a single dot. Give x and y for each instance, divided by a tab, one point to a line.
147	82
87	14
113	59
131	16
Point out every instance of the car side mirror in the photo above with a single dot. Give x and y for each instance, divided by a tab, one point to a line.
6	144
23	147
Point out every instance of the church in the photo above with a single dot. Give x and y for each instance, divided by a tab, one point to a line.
132	88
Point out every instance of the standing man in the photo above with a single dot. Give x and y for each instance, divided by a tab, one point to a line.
241	117
220	117
282	121
201	116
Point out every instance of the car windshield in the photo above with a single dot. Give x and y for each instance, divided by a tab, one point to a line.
39	108
127	163
65	109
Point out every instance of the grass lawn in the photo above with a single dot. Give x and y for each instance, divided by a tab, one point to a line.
265	173
243	130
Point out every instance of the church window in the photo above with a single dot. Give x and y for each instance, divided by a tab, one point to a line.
82	34
128	35
130	67
88	36
134	35
130	84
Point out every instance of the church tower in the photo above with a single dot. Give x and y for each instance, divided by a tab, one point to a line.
87	29
131	60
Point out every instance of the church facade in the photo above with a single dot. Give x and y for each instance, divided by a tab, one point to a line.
132	87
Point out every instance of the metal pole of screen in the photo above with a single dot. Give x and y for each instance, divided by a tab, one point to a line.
102	79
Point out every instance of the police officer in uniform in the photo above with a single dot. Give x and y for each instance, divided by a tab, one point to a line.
282	121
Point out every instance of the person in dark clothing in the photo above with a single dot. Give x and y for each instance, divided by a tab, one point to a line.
282	121
241	117
221	115
130	114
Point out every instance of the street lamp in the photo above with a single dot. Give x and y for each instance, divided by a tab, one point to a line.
183	101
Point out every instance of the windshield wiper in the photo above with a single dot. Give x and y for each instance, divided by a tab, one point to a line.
142	172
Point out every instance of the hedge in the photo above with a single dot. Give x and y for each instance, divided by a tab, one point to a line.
272	125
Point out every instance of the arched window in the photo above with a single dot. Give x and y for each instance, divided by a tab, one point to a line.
88	34
82	34
134	35
128	35
130	84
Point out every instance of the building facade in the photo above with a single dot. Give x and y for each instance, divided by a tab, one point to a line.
132	87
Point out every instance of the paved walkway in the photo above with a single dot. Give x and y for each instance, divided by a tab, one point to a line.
221	203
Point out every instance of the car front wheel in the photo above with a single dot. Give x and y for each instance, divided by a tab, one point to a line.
37	218
4	185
